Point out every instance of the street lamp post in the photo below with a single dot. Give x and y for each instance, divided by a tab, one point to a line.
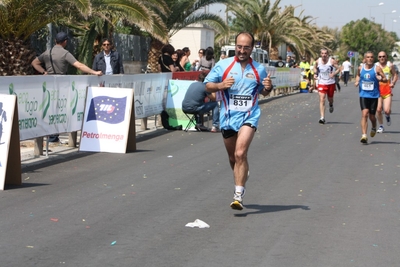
384	18
371	17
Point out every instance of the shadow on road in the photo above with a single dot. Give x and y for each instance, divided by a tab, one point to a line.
394	132
384	142
338	122
258	209
24	185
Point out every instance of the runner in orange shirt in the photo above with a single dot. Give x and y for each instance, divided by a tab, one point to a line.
385	89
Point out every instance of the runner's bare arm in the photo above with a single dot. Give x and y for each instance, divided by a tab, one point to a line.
381	75
316	70
358	77
225	84
267	85
394	76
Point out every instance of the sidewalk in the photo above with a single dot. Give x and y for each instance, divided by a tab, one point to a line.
61	149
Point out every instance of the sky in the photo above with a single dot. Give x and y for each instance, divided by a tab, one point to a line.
337	13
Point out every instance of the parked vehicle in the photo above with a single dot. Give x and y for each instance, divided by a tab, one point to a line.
258	54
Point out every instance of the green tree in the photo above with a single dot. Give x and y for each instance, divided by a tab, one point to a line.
90	20
273	26
364	35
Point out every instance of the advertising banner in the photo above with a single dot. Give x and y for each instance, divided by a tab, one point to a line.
176	93
10	157
284	77
53	104
106	120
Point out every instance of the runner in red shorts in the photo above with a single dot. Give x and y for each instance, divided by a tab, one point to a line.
385	89
325	70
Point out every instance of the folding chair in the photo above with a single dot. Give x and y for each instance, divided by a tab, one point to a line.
192	120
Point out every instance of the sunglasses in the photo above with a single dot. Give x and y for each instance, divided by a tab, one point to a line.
381	56
106	44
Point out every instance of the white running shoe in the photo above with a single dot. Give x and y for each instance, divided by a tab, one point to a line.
237	203
380	129
364	139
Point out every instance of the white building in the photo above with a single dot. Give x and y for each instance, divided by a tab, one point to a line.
195	36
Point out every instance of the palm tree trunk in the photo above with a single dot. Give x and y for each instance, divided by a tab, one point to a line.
154	54
15	58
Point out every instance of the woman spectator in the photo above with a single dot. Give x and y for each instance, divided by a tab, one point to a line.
166	64
207	62
185	62
176	57
196	62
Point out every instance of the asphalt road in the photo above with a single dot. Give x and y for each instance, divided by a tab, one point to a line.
316	197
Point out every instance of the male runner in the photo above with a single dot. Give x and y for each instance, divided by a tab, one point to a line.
325	70
238	81
368	77
385	88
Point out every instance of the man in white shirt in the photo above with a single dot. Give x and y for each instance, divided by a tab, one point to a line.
346	70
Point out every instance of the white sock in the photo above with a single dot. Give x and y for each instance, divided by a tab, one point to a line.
239	189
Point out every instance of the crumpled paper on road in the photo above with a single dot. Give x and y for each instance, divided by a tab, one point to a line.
197	223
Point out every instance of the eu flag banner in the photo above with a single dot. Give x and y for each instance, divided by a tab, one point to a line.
107	109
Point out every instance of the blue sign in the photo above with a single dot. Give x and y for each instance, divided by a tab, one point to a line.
350	54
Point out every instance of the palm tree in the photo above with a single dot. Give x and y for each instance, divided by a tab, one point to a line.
19	19
183	13
104	17
273	27
91	19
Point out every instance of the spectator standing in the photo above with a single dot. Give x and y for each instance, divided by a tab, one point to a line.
108	61
207	62
196	62
306	69
176	57
280	63
56	61
166	64
289	62
185	62
346	66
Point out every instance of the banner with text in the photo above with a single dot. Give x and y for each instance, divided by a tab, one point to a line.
106	120
55	104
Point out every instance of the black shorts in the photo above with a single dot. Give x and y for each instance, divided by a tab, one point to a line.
369	103
229	133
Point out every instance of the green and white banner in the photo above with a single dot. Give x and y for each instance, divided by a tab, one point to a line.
55	104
